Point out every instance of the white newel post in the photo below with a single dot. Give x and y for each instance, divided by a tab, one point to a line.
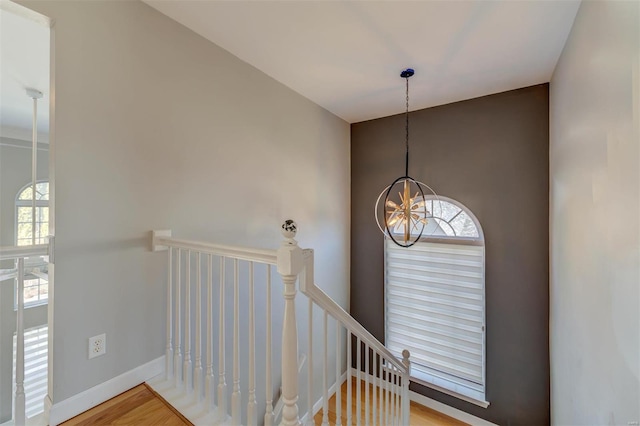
405	387
290	264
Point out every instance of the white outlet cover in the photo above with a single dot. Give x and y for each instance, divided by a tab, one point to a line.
97	345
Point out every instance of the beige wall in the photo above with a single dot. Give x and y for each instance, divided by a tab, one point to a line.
158	128
594	214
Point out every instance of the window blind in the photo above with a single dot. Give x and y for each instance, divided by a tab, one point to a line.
35	369
435	309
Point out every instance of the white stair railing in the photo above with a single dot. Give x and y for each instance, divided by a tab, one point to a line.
19	254
380	379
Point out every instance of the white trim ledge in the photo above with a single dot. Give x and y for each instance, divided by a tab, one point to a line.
71	407
449	411
465	398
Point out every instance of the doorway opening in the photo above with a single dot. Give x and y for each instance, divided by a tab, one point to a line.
26	215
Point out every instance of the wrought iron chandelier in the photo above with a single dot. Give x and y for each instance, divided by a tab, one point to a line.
404	216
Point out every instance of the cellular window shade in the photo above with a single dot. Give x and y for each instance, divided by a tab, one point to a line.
435	309
35	369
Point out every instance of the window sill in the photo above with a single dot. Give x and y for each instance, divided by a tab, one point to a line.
464	394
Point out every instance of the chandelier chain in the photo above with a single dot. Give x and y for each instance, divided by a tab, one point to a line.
404	216
406	127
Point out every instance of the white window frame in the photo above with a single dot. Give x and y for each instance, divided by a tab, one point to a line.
433	380
35	268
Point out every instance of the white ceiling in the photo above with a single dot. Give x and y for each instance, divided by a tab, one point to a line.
343	55
347	55
24	63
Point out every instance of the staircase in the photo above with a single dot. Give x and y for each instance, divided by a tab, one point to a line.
225	362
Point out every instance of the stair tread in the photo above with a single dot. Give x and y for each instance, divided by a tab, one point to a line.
195	412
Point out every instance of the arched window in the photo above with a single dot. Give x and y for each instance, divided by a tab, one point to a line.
36	284
435	301
24	217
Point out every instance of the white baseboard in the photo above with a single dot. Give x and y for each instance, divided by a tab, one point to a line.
71	407
449	411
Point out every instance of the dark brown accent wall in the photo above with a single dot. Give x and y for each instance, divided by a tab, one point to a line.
492	155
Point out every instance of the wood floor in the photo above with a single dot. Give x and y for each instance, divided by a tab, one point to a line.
137	406
141	406
419	415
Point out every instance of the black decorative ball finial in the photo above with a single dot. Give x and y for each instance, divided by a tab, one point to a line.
289	228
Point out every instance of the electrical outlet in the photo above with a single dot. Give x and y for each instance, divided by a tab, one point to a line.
97	345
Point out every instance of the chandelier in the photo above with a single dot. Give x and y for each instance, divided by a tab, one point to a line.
404	209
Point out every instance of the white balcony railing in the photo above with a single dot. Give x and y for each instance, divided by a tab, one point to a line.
28	260
198	328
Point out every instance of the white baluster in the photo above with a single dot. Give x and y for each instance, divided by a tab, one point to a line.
310	419
394	395
197	375
210	377
394	412
366	384
252	408
325	372
338	375
374	387
399	387
374	402
290	264
187	372
387	397
358	389
381	391
349	373
168	368
235	395
399	399
405	387
268	415
391	395
390	385
222	384
177	356
19	407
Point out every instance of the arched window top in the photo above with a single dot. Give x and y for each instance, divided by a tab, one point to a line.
42	192
447	218
32	226
451	219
